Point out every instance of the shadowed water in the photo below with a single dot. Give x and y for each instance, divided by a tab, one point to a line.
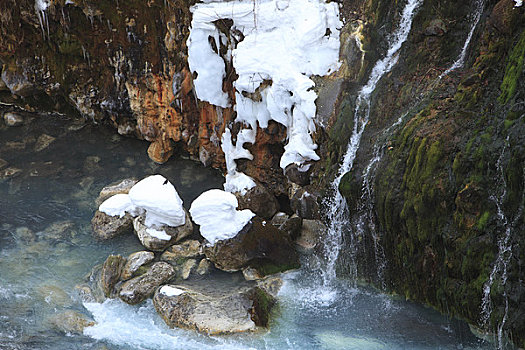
46	249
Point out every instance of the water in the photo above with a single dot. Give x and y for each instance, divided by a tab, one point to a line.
53	197
337	209
474	20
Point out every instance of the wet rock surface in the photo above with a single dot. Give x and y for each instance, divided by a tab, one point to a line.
139	288
106	227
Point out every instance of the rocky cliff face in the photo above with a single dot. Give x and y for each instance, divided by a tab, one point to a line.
449	178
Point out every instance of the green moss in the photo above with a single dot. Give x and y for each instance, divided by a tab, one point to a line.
269	268
483	220
513	71
263	304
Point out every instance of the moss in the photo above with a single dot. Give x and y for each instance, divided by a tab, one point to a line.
268	268
483	220
263	304
513	71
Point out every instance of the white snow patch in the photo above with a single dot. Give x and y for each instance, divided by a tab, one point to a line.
171	291
216	213
159	234
281	44
518	3
237	181
160	200
118	204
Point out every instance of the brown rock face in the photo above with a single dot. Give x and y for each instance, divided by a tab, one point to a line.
259	245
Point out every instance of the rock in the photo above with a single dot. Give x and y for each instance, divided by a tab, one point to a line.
204	267
436	27
24	234
160	151
110	274
305	204
187	249
292	227
259	200
3	163
187	268
161	238
251	274
134	262
71	321
17	82
216	310
43	142
13	119
91	290
279	219
91	164
10	172
59	230
119	187
259	245
299	175
106	226
310	233
271	285
139	288
54	296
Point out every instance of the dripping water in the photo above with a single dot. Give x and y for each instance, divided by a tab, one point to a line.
337	214
460	61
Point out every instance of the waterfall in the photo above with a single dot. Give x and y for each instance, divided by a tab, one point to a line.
337	210
480	4
501	264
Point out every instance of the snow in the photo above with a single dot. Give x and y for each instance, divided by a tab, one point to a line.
171	291
216	213
518	3
159	234
160	200
118	204
283	43
237	181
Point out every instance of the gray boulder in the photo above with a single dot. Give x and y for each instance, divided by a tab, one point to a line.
134	262
142	287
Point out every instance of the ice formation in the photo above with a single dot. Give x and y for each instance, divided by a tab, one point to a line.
518	3
171	291
275	46
216	213
41	12
156	196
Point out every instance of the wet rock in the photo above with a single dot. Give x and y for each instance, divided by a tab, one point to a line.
119	187
160	151
71	322
134	262
105	226
292	227
54	296
279	219
259	245
259	200
17	82
13	119
299	175
91	290
110	274
24	234
43	142
139	288
46	169
59	230
187	268
309	237
160	238
10	172
3	163
305	204
271	285
217	311
91	164
436	27
204	267
251	274
187	249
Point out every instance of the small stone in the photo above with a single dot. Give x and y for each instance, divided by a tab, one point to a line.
119	187
187	249
71	321
106	227
3	163
187	268
10	172
299	175
135	261
110	274
43	142
251	274
436	27
204	267
271	285
91	164
17	82
59	230
139	288
25	234
13	119
172	234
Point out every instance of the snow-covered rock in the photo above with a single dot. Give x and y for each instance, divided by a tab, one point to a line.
216	213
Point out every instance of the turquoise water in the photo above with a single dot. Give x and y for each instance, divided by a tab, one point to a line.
46	249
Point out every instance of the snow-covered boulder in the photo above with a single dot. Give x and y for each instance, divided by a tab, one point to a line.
158	238
216	213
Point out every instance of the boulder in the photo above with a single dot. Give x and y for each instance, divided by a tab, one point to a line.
158	239
204	267
309	237
259	200
305	204
134	262
187	268
187	249
71	322
119	187
106	226
110	274
292	227
13	119
43	142
259	245
17	82
216	310
298	174
140	288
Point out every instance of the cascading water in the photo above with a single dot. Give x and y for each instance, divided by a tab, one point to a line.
501	265
337	214
458	63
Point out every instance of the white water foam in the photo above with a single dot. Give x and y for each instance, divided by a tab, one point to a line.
337	208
